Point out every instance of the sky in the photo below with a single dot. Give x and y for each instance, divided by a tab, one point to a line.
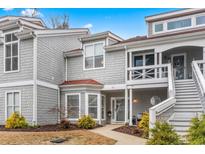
126	23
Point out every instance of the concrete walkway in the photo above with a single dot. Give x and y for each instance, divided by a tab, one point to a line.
122	139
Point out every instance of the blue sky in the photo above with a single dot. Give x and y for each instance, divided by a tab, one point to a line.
124	22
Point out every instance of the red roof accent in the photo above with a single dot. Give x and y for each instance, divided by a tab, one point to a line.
85	81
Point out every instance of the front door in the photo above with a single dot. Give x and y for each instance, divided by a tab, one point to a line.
118	109
179	66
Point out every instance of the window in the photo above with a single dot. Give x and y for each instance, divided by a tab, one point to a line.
92	105
12	102
158	27
103	102
94	56
200	20
11	53
179	24
73	109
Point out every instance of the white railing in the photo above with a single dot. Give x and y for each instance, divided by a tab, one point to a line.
148	72
197	68
166	105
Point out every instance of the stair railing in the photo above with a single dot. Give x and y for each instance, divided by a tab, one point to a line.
199	79
165	108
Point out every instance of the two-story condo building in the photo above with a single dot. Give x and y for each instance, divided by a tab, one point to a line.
102	75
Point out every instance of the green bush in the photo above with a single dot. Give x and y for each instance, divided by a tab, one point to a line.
196	133
163	134
144	124
16	121
86	122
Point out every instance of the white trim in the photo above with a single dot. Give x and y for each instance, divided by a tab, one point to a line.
99	116
35	81
47	84
66	68
130	101
114	87
93	44
11	43
185	62
66	104
16	84
6	104
103	107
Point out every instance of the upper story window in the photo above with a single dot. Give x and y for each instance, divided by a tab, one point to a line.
11	53
158	27
179	24
94	56
200	20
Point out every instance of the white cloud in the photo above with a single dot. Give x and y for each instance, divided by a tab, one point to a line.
31	13
88	25
8	9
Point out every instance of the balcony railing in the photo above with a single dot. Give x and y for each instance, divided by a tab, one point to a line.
147	72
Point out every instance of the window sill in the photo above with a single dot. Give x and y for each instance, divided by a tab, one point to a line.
7	72
89	69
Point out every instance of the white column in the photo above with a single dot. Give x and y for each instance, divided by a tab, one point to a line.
130	65
130	106
155	63
126	65
160	62
126	105
204	60
99	109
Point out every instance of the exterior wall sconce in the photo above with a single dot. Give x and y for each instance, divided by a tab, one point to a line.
135	101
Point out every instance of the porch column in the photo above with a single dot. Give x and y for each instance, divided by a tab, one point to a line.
155	63
126	105
130	65
204	60
130	122
160	62
99	109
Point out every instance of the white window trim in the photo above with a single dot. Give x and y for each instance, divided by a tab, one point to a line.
66	104
4	60
98	104
93	43
143	57
6	107
103	107
198	15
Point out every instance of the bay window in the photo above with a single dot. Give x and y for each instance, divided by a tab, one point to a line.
11	53
94	56
73	106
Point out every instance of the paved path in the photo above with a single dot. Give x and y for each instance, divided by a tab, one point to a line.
122	139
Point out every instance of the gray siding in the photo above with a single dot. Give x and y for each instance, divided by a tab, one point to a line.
26	102
50	56
47	102
26	63
113	73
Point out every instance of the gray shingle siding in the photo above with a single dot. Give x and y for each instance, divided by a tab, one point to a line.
50	56
113	73
47	102
25	61
26	102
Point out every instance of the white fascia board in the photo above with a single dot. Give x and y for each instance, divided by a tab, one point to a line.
17	84
114	87
47	85
56	32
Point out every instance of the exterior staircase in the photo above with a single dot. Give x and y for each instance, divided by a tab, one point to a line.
188	105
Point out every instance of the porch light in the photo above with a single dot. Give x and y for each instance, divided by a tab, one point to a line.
135	100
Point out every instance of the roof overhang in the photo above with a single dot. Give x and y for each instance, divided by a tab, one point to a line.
165	39
73	53
173	14
102	35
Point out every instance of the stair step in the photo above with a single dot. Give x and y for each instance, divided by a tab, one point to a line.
181	129
182	83
187	93
188	99
188	103
181	124
185	85
186	90
188	110
185	80
187	96
187	106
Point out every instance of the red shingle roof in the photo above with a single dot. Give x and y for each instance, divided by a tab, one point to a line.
85	81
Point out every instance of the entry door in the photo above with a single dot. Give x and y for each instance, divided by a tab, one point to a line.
118	109
179	66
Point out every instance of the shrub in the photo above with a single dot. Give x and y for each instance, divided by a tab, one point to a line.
16	121
196	133
86	122
144	124
65	124
163	134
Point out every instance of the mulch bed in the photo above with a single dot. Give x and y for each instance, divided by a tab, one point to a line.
131	130
44	128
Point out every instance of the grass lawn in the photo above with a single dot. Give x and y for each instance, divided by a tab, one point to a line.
74	137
